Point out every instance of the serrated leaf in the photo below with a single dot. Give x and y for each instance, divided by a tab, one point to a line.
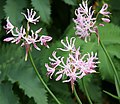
89	47
13	9
92	84
28	81
59	89
2	3
17	70
110	37
114	50
43	6
105	66
2	14
70	2
110	34
6	94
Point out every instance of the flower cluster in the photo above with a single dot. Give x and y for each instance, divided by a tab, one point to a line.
86	22
76	65
26	36
105	13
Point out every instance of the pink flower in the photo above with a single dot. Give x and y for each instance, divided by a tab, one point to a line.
45	39
64	68
101	24
55	61
8	39
68	46
106	20
84	22
17	36
73	75
31	16
74	67
50	70
103	10
9	27
32	39
26	36
76	59
90	64
105	13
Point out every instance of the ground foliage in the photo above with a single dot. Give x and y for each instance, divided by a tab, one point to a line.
18	81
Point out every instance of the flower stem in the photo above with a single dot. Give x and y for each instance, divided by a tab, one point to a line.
86	92
40	78
109	58
76	95
117	80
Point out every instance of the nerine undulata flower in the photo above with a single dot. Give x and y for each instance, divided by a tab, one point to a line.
31	16
104	11
74	67
9	27
69	46
17	36
26	36
85	22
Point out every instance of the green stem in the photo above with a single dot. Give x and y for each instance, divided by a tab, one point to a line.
114	96
40	78
86	92
109	58
76	95
117	83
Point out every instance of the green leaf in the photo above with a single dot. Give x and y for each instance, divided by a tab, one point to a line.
2	14
114	50
43	6
92	83
17	70
110	34
105	66
13	9
62	92
28	81
89	47
115	4
70	2
6	94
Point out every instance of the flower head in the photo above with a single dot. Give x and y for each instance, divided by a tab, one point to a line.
84	22
17	36
45	39
68	46
9	27
103	10
76	65
27	37
31	16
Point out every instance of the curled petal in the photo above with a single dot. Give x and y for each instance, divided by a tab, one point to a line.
9	27
103	10
59	77
106	20
101	24
45	39
31	16
8	39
